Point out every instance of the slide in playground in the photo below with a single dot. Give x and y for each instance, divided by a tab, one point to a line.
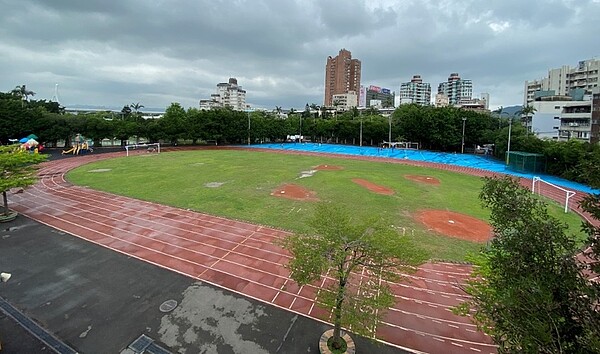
78	149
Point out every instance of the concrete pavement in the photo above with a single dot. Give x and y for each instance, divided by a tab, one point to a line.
99	301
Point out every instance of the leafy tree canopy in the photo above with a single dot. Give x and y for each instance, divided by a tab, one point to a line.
18	169
528	290
340	248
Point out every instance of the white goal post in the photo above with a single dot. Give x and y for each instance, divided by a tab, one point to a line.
150	147
552	189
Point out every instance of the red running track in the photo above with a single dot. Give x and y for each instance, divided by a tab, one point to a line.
243	258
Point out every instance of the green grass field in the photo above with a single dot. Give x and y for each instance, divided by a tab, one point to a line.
179	179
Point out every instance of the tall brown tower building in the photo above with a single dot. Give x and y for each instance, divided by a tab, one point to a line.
342	75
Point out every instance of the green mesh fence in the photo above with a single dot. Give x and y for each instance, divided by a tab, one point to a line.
526	162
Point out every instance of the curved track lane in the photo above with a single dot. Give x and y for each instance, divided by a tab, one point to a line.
243	258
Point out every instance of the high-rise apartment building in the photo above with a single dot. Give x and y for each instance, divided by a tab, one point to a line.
561	81
415	91
456	89
342	75
228	94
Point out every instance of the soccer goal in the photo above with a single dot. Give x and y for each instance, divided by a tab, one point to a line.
552	191
148	148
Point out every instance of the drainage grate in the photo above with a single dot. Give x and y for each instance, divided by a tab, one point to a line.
145	344
155	349
141	343
168	306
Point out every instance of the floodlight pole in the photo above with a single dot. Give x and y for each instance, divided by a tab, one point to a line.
508	147
390	131
361	128
462	146
300	137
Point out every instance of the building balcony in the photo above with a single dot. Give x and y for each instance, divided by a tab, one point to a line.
577	115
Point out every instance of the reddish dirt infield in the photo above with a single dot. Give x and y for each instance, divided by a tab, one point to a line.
375	188
328	168
455	225
423	179
295	192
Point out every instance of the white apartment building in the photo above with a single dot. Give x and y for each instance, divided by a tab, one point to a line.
560	118
345	101
456	89
545	122
561	81
415	91
576	121
228	94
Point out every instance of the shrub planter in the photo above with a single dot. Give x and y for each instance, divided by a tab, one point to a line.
324	349
8	217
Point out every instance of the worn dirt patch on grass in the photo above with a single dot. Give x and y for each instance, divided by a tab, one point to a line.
295	192
456	225
423	179
375	188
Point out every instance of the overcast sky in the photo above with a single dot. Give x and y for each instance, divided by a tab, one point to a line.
118	52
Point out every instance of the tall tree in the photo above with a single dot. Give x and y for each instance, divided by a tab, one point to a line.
23	93
340	248
526	113
528	291
136	107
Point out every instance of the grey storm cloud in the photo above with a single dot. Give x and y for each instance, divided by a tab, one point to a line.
156	52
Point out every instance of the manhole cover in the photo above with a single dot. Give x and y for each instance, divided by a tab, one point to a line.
168	306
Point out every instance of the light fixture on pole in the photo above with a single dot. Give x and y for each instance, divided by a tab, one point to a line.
361	128
248	111
462	145
300	137
390	131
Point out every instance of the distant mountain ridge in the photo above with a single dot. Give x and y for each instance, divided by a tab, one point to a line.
511	110
112	108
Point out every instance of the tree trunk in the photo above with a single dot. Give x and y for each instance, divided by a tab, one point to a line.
337	312
5	205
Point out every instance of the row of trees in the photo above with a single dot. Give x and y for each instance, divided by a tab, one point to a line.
434	128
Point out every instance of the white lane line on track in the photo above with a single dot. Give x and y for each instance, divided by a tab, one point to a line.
438	337
241	254
424	317
244	229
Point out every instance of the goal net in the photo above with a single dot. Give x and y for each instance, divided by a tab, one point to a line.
143	148
552	191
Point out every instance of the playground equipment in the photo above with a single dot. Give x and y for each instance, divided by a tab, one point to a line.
79	146
29	143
